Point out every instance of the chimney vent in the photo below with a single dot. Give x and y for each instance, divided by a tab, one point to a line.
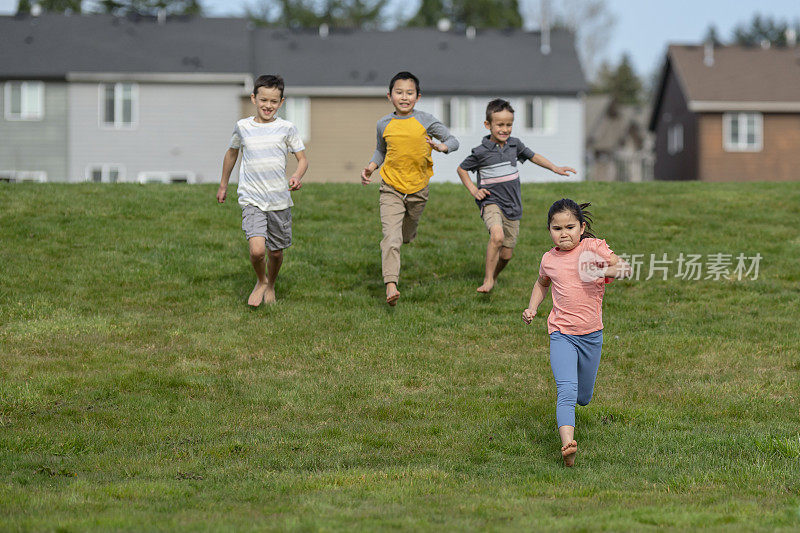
324	31
708	54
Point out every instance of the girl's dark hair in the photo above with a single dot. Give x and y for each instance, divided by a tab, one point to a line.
578	210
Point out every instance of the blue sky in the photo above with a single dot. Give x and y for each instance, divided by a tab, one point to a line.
643	27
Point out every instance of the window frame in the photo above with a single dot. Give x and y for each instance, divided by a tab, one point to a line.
729	145
457	104
22	116
118	102
546	108
675	138
165	176
302	118
105	172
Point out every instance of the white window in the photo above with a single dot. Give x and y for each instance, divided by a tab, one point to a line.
119	104
24	100
540	115
675	139
296	111
457	113
742	132
105	173
19	176
161	176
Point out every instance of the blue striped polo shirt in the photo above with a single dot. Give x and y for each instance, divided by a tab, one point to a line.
497	173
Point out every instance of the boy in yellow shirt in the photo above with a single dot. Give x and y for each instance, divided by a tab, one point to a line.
405	142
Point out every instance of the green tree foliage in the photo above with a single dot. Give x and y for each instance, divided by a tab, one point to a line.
24	6
763	29
150	7
712	36
477	13
620	82
313	13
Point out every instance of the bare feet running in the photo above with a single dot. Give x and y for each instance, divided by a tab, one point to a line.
392	294
486	287
568	452
269	295
257	296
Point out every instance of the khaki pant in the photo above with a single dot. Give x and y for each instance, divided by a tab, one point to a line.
493	216
399	219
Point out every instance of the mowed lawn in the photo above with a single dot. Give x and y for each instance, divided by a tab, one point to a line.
139	392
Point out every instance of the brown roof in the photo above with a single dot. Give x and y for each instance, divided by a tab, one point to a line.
738	74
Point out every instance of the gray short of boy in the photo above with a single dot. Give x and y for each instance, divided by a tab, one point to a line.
274	226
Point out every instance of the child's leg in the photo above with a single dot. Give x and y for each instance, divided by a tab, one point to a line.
258	252
415	204
274	262
392	211
510	234
564	363
492	257
589	347
506	254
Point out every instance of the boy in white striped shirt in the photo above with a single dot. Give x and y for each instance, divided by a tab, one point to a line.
265	140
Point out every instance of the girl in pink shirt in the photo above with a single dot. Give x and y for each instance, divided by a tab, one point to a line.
578	267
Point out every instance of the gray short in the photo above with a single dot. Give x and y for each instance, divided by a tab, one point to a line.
274	226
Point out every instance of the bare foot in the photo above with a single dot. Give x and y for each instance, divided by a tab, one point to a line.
257	296
486	287
568	452
269	295
392	294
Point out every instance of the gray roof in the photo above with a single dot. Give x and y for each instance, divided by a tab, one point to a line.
51	45
493	62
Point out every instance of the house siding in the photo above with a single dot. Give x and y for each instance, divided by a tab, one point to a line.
37	145
180	128
779	159
674	110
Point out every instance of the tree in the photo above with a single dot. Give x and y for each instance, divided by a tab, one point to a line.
150	7
763	29
621	82
23	7
477	13
313	13
712	36
590	21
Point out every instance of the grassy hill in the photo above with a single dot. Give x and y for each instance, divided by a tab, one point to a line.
138	391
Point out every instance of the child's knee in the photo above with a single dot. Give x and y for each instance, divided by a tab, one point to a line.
496	236
585	398
258	250
506	253
275	254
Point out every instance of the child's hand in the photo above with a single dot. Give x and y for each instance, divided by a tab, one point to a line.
528	314
365	176
480	194
439	147
294	183
222	192
564	171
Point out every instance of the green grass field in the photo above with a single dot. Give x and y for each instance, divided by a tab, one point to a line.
138	391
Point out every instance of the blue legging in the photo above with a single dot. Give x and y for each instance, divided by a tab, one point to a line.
574	360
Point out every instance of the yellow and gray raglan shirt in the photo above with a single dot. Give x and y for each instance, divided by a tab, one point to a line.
402	152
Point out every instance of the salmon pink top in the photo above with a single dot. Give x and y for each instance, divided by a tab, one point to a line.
577	286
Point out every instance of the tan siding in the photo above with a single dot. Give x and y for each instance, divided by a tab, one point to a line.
342	137
779	160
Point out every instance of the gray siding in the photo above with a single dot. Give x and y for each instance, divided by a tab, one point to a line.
180	127
38	145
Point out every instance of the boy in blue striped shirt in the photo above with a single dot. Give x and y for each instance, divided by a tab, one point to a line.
498	190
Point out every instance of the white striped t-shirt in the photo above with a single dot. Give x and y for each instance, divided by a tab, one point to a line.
262	175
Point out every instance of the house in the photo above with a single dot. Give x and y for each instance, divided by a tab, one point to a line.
728	114
106	98
337	82
619	146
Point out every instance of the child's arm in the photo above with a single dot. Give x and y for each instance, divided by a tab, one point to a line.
377	157
542	161
228	162
538	293
479	194
438	130
617	268
302	166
